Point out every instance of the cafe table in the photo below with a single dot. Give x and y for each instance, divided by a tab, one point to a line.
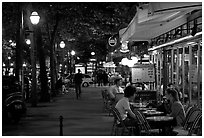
152	112
163	123
138	105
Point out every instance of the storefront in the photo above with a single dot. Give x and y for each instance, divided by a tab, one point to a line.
179	61
174	33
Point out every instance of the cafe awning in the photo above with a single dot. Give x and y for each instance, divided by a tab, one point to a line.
156	18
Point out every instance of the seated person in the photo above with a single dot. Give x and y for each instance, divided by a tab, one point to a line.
171	85
116	88
177	109
123	106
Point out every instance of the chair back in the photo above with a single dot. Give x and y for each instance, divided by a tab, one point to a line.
116	115
143	122
196	126
190	117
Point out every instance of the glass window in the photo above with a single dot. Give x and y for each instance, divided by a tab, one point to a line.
169	68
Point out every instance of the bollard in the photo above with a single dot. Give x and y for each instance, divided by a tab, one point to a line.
61	125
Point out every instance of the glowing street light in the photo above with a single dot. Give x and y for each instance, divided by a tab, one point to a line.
92	53
62	44
28	42
73	52
34	18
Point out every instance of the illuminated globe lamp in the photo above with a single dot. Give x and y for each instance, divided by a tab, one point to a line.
62	44
73	52
35	18
28	42
92	53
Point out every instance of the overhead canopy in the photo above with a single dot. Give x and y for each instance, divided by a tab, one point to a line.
156	18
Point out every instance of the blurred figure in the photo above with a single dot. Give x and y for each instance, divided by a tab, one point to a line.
105	78
27	88
78	81
58	85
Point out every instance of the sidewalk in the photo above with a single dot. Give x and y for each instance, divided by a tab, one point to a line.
83	117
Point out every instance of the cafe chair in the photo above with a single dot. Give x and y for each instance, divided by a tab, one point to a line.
119	126
103	93
195	128
107	103
144	125
191	114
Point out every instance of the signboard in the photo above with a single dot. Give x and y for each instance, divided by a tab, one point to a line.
112	41
143	73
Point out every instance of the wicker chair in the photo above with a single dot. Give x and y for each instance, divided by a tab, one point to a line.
107	102
118	124
191	115
194	129
144	125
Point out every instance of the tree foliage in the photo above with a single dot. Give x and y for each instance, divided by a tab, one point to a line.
87	24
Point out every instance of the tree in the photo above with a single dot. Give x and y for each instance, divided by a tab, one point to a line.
88	25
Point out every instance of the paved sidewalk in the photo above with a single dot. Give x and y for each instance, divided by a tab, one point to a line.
83	117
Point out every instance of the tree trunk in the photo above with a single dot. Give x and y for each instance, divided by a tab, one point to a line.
45	97
19	43
52	59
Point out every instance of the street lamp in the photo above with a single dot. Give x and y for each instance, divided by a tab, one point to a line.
62	45
93	60
73	52
34	18
9	58
28	42
92	53
72	61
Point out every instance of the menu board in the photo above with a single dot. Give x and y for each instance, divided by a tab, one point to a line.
143	73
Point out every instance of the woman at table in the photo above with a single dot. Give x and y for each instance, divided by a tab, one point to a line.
124	109
177	109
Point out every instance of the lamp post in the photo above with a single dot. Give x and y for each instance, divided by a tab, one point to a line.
34	18
93	54
72	61
23	81
8	65
62	46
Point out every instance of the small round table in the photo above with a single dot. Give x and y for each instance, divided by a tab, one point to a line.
149	113
161	122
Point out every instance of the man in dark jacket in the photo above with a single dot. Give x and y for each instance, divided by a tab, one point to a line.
78	80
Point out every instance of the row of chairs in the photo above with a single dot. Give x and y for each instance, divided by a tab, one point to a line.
119	127
192	124
107	102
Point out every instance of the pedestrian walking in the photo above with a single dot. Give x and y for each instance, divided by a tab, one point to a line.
78	80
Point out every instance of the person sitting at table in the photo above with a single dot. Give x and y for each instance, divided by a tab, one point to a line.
171	85
116	88
123	106
177	109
